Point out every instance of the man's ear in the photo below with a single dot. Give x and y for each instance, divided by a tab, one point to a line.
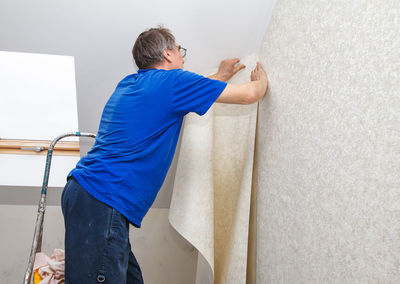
167	55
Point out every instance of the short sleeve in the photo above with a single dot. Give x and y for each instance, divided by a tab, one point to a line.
194	93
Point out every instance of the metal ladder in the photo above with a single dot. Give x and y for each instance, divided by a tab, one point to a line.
37	236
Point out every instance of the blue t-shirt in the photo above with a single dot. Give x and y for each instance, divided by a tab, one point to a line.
137	137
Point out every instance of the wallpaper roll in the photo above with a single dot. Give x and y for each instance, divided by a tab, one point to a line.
328	144
210	204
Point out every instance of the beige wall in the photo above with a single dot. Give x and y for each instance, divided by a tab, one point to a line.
328	145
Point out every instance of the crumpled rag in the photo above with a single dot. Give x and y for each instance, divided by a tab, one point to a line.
49	270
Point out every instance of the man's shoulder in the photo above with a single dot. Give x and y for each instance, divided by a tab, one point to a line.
185	75
174	72
172	77
159	78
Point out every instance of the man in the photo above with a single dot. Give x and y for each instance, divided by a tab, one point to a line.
118	180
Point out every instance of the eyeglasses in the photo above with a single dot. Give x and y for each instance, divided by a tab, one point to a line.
182	51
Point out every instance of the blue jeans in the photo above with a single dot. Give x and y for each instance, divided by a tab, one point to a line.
97	248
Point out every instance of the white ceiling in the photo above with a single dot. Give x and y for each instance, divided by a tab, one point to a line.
100	35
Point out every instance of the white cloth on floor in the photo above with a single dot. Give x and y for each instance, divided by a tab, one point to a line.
50	269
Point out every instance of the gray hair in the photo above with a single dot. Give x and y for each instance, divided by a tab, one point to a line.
149	46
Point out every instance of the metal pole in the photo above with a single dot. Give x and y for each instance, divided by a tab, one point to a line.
37	236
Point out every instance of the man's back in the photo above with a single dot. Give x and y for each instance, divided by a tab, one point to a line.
138	134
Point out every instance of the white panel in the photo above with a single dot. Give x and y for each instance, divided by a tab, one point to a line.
38	96
28	170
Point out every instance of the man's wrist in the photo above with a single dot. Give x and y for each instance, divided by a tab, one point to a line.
218	76
214	77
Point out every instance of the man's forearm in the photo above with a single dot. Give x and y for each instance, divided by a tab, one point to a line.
259	89
247	93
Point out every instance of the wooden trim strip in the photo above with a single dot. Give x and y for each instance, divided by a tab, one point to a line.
62	148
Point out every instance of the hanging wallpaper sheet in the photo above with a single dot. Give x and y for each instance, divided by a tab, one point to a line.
210	203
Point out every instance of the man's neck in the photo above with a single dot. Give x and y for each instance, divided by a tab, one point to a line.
164	66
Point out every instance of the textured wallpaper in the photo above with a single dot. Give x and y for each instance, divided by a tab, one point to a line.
328	144
210	204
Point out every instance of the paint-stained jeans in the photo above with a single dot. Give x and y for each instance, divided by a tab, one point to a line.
97	248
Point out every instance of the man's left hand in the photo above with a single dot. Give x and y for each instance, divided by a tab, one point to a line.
227	69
